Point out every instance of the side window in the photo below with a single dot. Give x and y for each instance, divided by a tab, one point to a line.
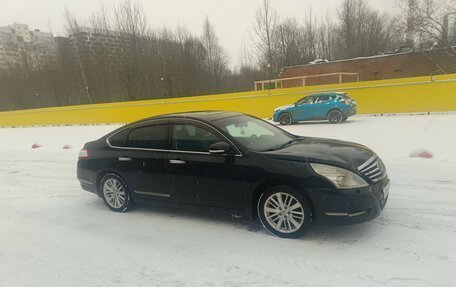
152	137
119	138
188	137
306	100
323	99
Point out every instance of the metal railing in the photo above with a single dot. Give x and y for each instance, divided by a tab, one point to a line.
278	83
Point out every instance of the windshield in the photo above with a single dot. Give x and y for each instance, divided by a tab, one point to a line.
254	133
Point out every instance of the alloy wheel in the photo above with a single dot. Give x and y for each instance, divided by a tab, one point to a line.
114	193
285	119
284	212
335	117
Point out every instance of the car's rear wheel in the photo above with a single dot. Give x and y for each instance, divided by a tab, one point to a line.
284	212
115	193
335	117
285	119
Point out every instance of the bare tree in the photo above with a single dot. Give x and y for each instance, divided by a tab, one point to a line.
363	31
287	42
73	28
310	37
431	21
266	19
130	21
216	57
327	37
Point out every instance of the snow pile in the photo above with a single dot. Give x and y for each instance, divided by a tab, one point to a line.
36	145
421	153
67	146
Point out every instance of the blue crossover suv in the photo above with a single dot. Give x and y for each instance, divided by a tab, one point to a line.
334	107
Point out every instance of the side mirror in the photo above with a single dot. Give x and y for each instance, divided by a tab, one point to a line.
219	148
296	104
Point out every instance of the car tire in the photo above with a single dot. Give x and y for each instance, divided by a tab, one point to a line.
284	212
335	117
115	193
285	119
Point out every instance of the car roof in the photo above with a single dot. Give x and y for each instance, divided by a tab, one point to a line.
204	116
327	94
207	116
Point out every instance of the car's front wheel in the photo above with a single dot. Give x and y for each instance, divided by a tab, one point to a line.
115	193
335	117
285	119
284	212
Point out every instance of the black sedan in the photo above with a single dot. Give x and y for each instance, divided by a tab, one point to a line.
237	163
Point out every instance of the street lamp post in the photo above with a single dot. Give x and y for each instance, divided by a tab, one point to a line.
162	79
38	98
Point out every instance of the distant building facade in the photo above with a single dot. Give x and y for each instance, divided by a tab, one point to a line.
90	46
21	47
8	50
400	65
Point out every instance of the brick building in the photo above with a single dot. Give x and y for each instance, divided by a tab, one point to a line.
380	67
90	46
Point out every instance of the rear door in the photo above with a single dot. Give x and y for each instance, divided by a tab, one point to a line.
321	106
143	160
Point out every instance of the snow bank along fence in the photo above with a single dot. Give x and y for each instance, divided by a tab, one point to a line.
406	95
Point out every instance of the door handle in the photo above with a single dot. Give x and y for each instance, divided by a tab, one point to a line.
123	158
177	161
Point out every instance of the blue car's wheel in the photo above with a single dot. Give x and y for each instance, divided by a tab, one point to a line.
335	117
285	119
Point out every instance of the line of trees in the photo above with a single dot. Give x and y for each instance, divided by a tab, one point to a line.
127	60
354	29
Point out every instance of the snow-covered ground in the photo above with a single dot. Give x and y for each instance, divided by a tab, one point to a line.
54	234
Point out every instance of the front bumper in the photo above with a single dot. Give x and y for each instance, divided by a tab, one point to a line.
334	206
275	116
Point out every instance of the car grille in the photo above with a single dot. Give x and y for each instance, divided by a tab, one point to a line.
373	168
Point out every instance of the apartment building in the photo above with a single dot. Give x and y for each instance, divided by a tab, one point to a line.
22	47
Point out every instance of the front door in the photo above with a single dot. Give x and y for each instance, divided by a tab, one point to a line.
304	109
199	177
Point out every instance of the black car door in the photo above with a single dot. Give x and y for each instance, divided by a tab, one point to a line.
195	175
144	160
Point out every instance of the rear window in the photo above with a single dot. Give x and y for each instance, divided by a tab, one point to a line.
119	138
150	137
344	96
322	99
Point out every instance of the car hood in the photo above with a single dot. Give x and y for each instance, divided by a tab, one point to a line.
284	108
322	150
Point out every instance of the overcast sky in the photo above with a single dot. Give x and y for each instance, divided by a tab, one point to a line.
232	18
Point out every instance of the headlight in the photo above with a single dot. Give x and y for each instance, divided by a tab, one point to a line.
342	178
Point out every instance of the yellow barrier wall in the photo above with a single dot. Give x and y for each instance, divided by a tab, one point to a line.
386	96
